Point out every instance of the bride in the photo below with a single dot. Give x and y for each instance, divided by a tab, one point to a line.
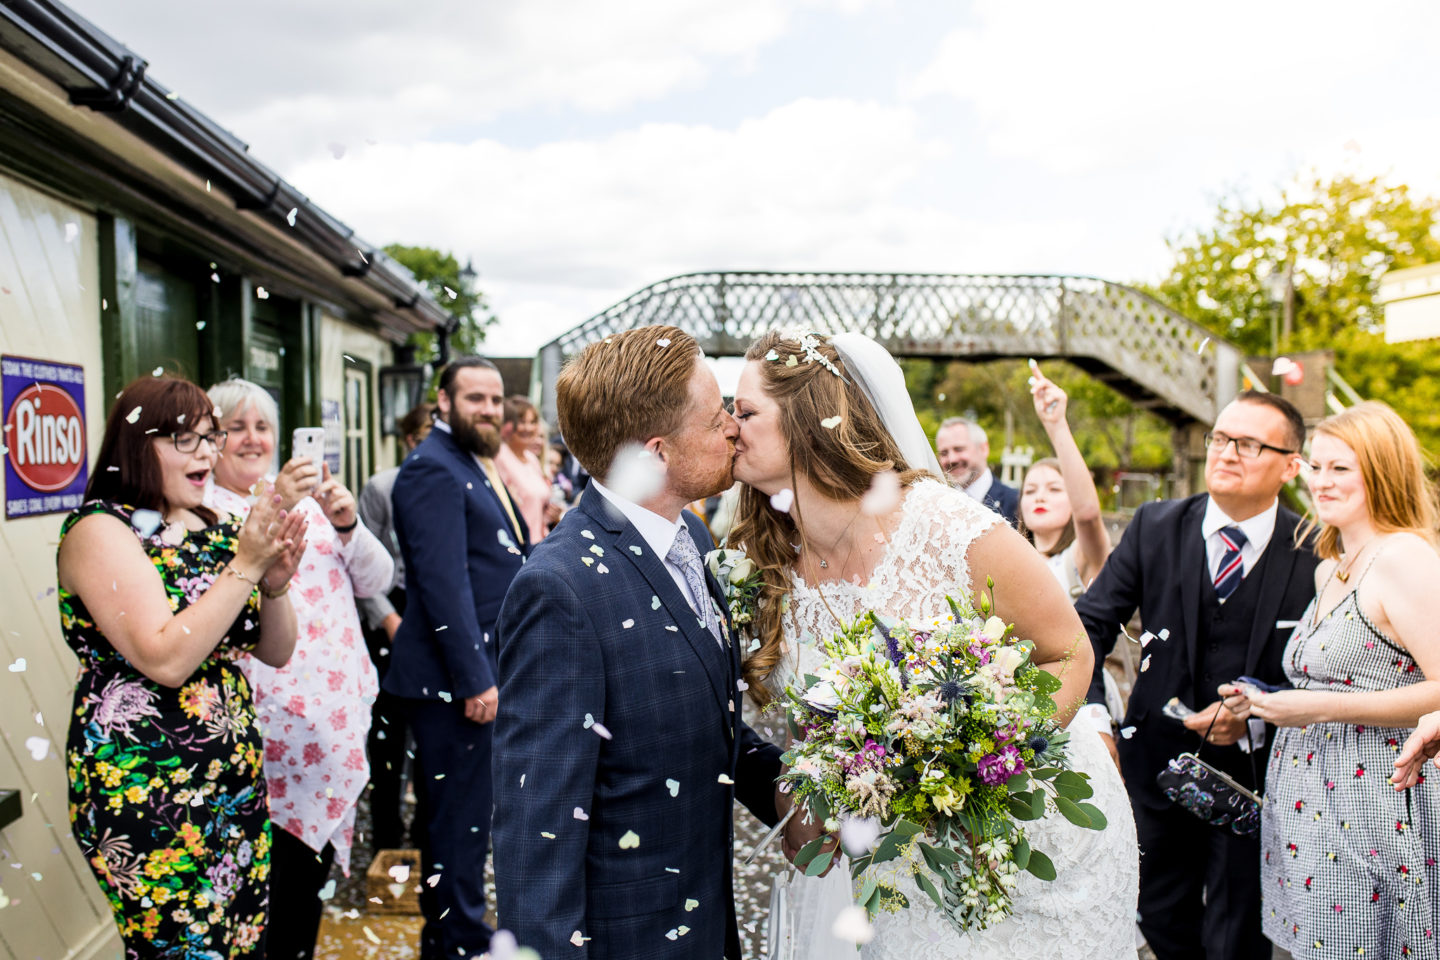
843	511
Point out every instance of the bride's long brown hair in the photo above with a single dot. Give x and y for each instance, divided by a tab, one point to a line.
840	463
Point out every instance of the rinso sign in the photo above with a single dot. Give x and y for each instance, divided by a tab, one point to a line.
44	444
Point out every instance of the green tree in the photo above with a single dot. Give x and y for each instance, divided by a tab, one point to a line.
453	288
1321	248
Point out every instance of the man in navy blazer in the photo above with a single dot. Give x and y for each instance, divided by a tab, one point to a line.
619	748
1211	615
462	545
964	451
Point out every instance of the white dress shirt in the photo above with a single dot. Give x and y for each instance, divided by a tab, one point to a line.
977	490
659	533
1258	531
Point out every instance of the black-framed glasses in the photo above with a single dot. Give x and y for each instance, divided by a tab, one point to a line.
188	441
1247	447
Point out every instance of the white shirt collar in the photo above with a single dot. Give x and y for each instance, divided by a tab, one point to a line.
440	425
981	486
658	532
1258	529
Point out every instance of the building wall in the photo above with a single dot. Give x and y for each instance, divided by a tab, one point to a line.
49	309
339	340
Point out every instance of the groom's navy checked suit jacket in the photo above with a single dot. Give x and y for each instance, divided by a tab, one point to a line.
615	641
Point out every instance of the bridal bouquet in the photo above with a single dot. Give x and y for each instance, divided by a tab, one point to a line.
941	733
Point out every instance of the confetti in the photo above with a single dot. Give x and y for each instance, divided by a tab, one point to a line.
673	786
587	534
1203	344
1127	732
290	219
328	891
598	550
790	361
636	550
262	294
39	747
725	779
18	666
72	230
830	423
691	905
431	880
1145	664
158	372
133	416
629	841
654	602
602	730
858	835
580	814
852	925
451	293
547	834
370	935
772	355
601	568
882	497
635	474
783	500
1145	638
662	343
577	939
589	721
627	624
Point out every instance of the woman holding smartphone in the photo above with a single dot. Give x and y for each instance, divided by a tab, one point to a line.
315	711
1349	863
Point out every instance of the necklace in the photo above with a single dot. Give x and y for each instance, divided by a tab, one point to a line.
1346	566
825	564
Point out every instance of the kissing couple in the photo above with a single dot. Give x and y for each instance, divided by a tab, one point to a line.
620	748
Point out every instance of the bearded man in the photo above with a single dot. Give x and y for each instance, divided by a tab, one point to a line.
462	544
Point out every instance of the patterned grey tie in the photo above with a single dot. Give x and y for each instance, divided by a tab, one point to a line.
684	555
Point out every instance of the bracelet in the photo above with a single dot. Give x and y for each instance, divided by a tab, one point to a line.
353	524
269	594
232	569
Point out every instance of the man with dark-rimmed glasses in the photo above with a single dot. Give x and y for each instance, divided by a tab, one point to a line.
1219	582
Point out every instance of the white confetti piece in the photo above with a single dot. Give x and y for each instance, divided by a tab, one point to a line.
602	730
858	835
262	294
691	905
451	293
1203	344
18	666
636	550
830	423
783	500
370	935
852	925
579	814
672	934
673	786
654	602
72	230
1145	638
627	624
146	522
601	568
883	495
577	939
598	550
587	534
522	780
158	372
636	474
39	747
547	834
328	891
1165	633
290	219
629	841
662	343
1145	664
589	721
400	873
133	416
1127	732
431	880
725	779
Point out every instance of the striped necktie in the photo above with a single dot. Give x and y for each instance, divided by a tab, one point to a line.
1232	568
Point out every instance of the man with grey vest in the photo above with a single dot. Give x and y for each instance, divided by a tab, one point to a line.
1219	583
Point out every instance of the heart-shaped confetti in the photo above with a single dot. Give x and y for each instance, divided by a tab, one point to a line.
790	361
691	905
772	355
725	779
587	534
636	550
673	786
598	550
627	624
830	423
576	937
580	814
629	841
39	747
662	343
589	721
328	891
783	500
654	602
18	666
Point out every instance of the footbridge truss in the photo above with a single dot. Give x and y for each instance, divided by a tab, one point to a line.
1146	351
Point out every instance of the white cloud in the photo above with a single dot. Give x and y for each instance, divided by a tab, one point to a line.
562	230
1080	87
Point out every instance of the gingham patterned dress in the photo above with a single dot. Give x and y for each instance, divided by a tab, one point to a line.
1348	865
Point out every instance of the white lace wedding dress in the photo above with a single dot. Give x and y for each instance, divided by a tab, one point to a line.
1088	911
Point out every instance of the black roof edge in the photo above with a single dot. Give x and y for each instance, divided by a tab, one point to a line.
103	74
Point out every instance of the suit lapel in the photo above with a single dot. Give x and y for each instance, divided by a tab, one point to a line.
1280	563
626	541
1192	545
467	459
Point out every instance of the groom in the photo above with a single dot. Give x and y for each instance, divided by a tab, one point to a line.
619	750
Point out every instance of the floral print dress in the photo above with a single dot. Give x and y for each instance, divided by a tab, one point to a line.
167	787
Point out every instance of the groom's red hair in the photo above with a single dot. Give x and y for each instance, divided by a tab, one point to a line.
625	389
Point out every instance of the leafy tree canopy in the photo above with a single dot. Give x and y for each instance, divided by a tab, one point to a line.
442	275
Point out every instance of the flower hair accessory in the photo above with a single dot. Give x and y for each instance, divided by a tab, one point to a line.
810	345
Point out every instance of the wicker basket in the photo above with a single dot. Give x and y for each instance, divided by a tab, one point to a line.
386	895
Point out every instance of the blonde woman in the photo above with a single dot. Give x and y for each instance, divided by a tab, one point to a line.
1348	863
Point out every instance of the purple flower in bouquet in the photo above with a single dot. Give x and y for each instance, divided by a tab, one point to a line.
870	757
996	768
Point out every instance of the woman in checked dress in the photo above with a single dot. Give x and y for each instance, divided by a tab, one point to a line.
1349	862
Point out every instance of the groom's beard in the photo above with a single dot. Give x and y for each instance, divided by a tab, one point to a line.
481	439
696	483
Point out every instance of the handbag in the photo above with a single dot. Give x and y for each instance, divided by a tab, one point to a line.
1210	793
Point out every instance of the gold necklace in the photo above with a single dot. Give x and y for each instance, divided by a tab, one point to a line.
1345	567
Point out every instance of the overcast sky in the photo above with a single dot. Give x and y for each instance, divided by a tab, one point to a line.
580	150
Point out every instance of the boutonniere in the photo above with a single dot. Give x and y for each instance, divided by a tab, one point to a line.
739	580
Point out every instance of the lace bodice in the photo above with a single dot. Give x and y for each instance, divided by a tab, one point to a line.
1088	912
927	558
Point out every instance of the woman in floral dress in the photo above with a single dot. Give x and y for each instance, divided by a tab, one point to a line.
1348	863
315	711
158	597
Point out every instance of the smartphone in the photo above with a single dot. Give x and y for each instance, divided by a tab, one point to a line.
308	442
1260	685
1176	710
